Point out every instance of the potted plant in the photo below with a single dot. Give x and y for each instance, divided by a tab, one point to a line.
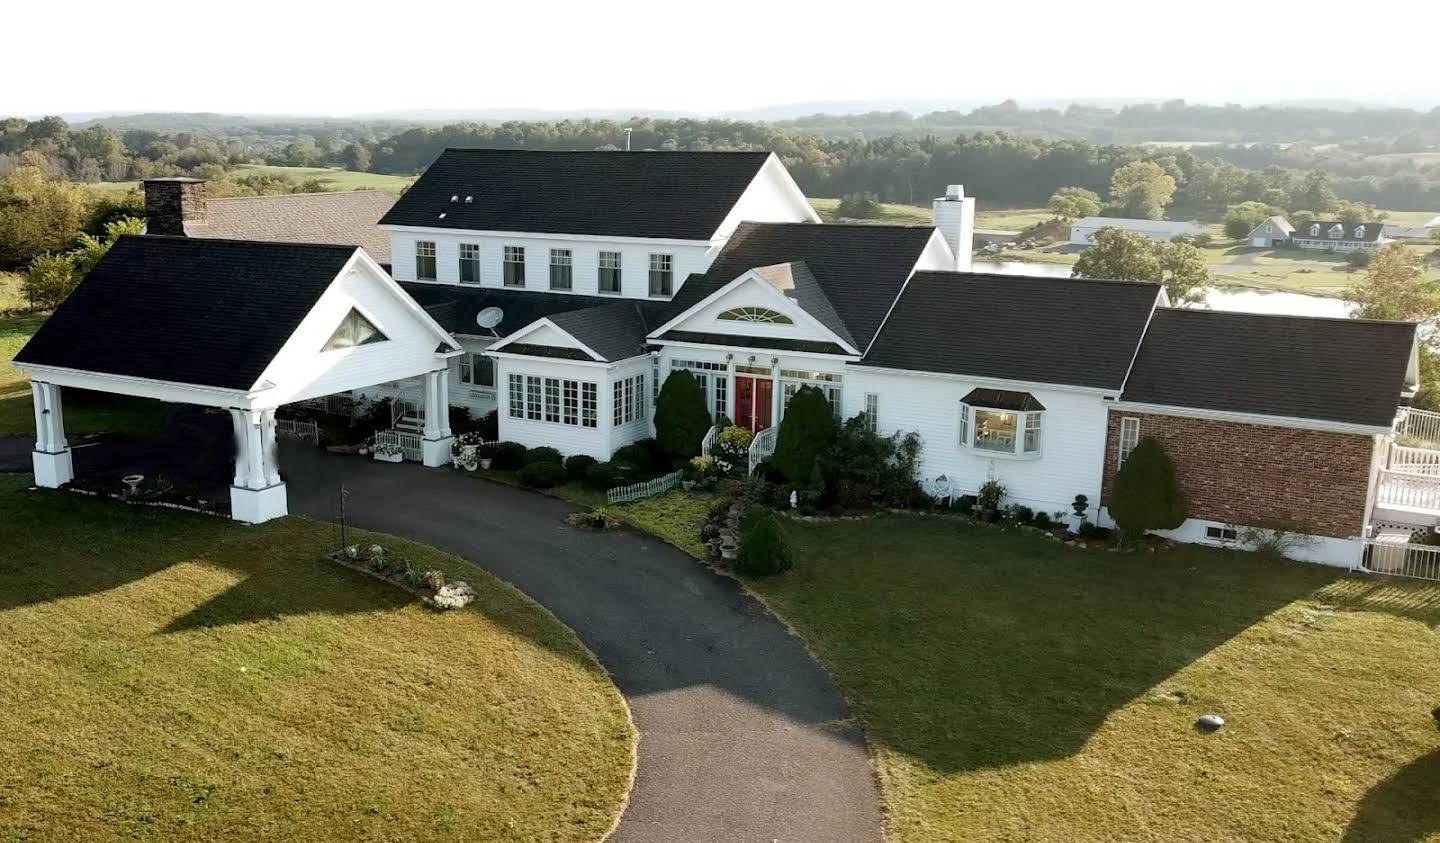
485	453
1075	519
387	452
989	498
464	451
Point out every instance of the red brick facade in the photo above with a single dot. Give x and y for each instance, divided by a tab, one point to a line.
1260	475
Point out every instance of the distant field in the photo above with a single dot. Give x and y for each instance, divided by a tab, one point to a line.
333	178
1411	218
897	214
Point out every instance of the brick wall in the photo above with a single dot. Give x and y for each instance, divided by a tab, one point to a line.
169	203
1260	475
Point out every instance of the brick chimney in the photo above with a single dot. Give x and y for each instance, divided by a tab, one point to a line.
172	202
955	218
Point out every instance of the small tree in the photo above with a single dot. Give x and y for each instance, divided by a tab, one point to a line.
807	429
681	420
1072	203
1146	495
859	206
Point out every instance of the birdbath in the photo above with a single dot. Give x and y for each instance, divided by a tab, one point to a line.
133	481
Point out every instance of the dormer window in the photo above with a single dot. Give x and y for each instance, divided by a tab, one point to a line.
755	314
1336	231
1359	232
1001	422
1315	230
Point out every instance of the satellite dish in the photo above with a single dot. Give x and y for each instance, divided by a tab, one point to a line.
489	318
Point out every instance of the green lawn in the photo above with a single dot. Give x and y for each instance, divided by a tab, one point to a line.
178	677
84	413
1015	689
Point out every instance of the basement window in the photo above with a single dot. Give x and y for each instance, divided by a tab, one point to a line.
1222	535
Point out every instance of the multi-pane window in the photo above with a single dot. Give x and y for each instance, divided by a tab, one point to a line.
609	272
477	370
964	424
630	400
533	395
571	402
517	396
1129	437
662	275
425	260
552	399
872	411
791	380
1000	430
995	430
514	266
469	263
560	269
755	314
1225	535
589	405
1031	444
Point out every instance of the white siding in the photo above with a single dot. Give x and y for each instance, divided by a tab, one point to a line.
301	370
640	428
755	293
690	257
1072	444
568	439
771	197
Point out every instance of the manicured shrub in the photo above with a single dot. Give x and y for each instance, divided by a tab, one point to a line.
509	456
608	475
543	454
461	421
542	475
489	426
645	455
862	469
577	466
965	504
1146	495
681	419
807	430
764	550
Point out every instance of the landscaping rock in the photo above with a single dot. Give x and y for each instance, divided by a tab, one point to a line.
1210	722
455	595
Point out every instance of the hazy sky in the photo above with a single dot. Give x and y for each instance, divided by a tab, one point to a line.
301	57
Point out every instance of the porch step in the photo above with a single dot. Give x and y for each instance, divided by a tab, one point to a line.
410	425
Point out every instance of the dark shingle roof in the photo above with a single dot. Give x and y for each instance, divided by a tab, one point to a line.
1369	232
742	341
1341	370
1003	399
859	268
1046	330
349	218
555	351
683	195
796	281
614	331
207	312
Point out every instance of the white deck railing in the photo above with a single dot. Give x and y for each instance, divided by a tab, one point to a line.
1414	460
647	489
1394	554
762	446
1414	491
407	442
1417	424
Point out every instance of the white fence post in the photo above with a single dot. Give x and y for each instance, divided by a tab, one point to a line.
647	489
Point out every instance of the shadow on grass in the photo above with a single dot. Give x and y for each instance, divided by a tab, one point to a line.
973	649
1402	808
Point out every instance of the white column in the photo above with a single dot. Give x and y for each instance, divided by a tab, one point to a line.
51	458
254	452
432	400
775	394
242	447
269	454
435	445
444	400
730	387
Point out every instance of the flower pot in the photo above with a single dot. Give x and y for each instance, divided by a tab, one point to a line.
390	457
1073	522
485	463
988	515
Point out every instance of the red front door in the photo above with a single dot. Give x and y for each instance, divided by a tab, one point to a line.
753	405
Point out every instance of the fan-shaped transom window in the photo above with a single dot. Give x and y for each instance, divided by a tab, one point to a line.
354	330
756	314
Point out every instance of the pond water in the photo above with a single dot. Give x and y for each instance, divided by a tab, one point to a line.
1241	299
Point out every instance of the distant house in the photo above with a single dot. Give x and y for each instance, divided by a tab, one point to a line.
1336	236
1082	232
1435	223
1273	232
1405	232
177	206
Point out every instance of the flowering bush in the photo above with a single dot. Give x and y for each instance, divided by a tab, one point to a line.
385	449
732	449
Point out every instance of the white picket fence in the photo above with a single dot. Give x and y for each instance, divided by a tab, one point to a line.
305	431
1397	556
407	442
648	489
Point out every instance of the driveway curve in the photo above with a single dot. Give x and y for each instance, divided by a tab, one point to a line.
742	735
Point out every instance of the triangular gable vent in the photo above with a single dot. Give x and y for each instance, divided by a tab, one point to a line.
354	330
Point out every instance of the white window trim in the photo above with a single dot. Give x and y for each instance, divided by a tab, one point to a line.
967	428
1122	452
1221	540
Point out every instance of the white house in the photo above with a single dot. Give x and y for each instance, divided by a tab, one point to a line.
561	289
1336	236
1083	231
1272	233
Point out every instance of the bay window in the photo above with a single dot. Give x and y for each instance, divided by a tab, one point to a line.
998	421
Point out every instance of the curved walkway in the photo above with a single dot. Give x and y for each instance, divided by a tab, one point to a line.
742	736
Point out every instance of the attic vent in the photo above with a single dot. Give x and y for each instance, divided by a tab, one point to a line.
442	215
454	198
469	199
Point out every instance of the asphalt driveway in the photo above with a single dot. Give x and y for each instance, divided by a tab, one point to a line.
742	736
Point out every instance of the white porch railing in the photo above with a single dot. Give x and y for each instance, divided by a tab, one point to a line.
407	442
1414	460
305	431
1417	424
762	446
1395	554
708	443
648	489
1416	491
341	404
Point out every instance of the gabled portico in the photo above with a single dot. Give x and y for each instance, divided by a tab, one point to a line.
239	326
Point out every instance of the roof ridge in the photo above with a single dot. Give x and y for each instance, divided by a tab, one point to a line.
181	238
1005	276
765	152
885	225
366	192
1299	316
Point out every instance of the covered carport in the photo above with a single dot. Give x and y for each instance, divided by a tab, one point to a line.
241	326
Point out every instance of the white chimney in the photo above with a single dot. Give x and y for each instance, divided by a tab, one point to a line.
955	219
